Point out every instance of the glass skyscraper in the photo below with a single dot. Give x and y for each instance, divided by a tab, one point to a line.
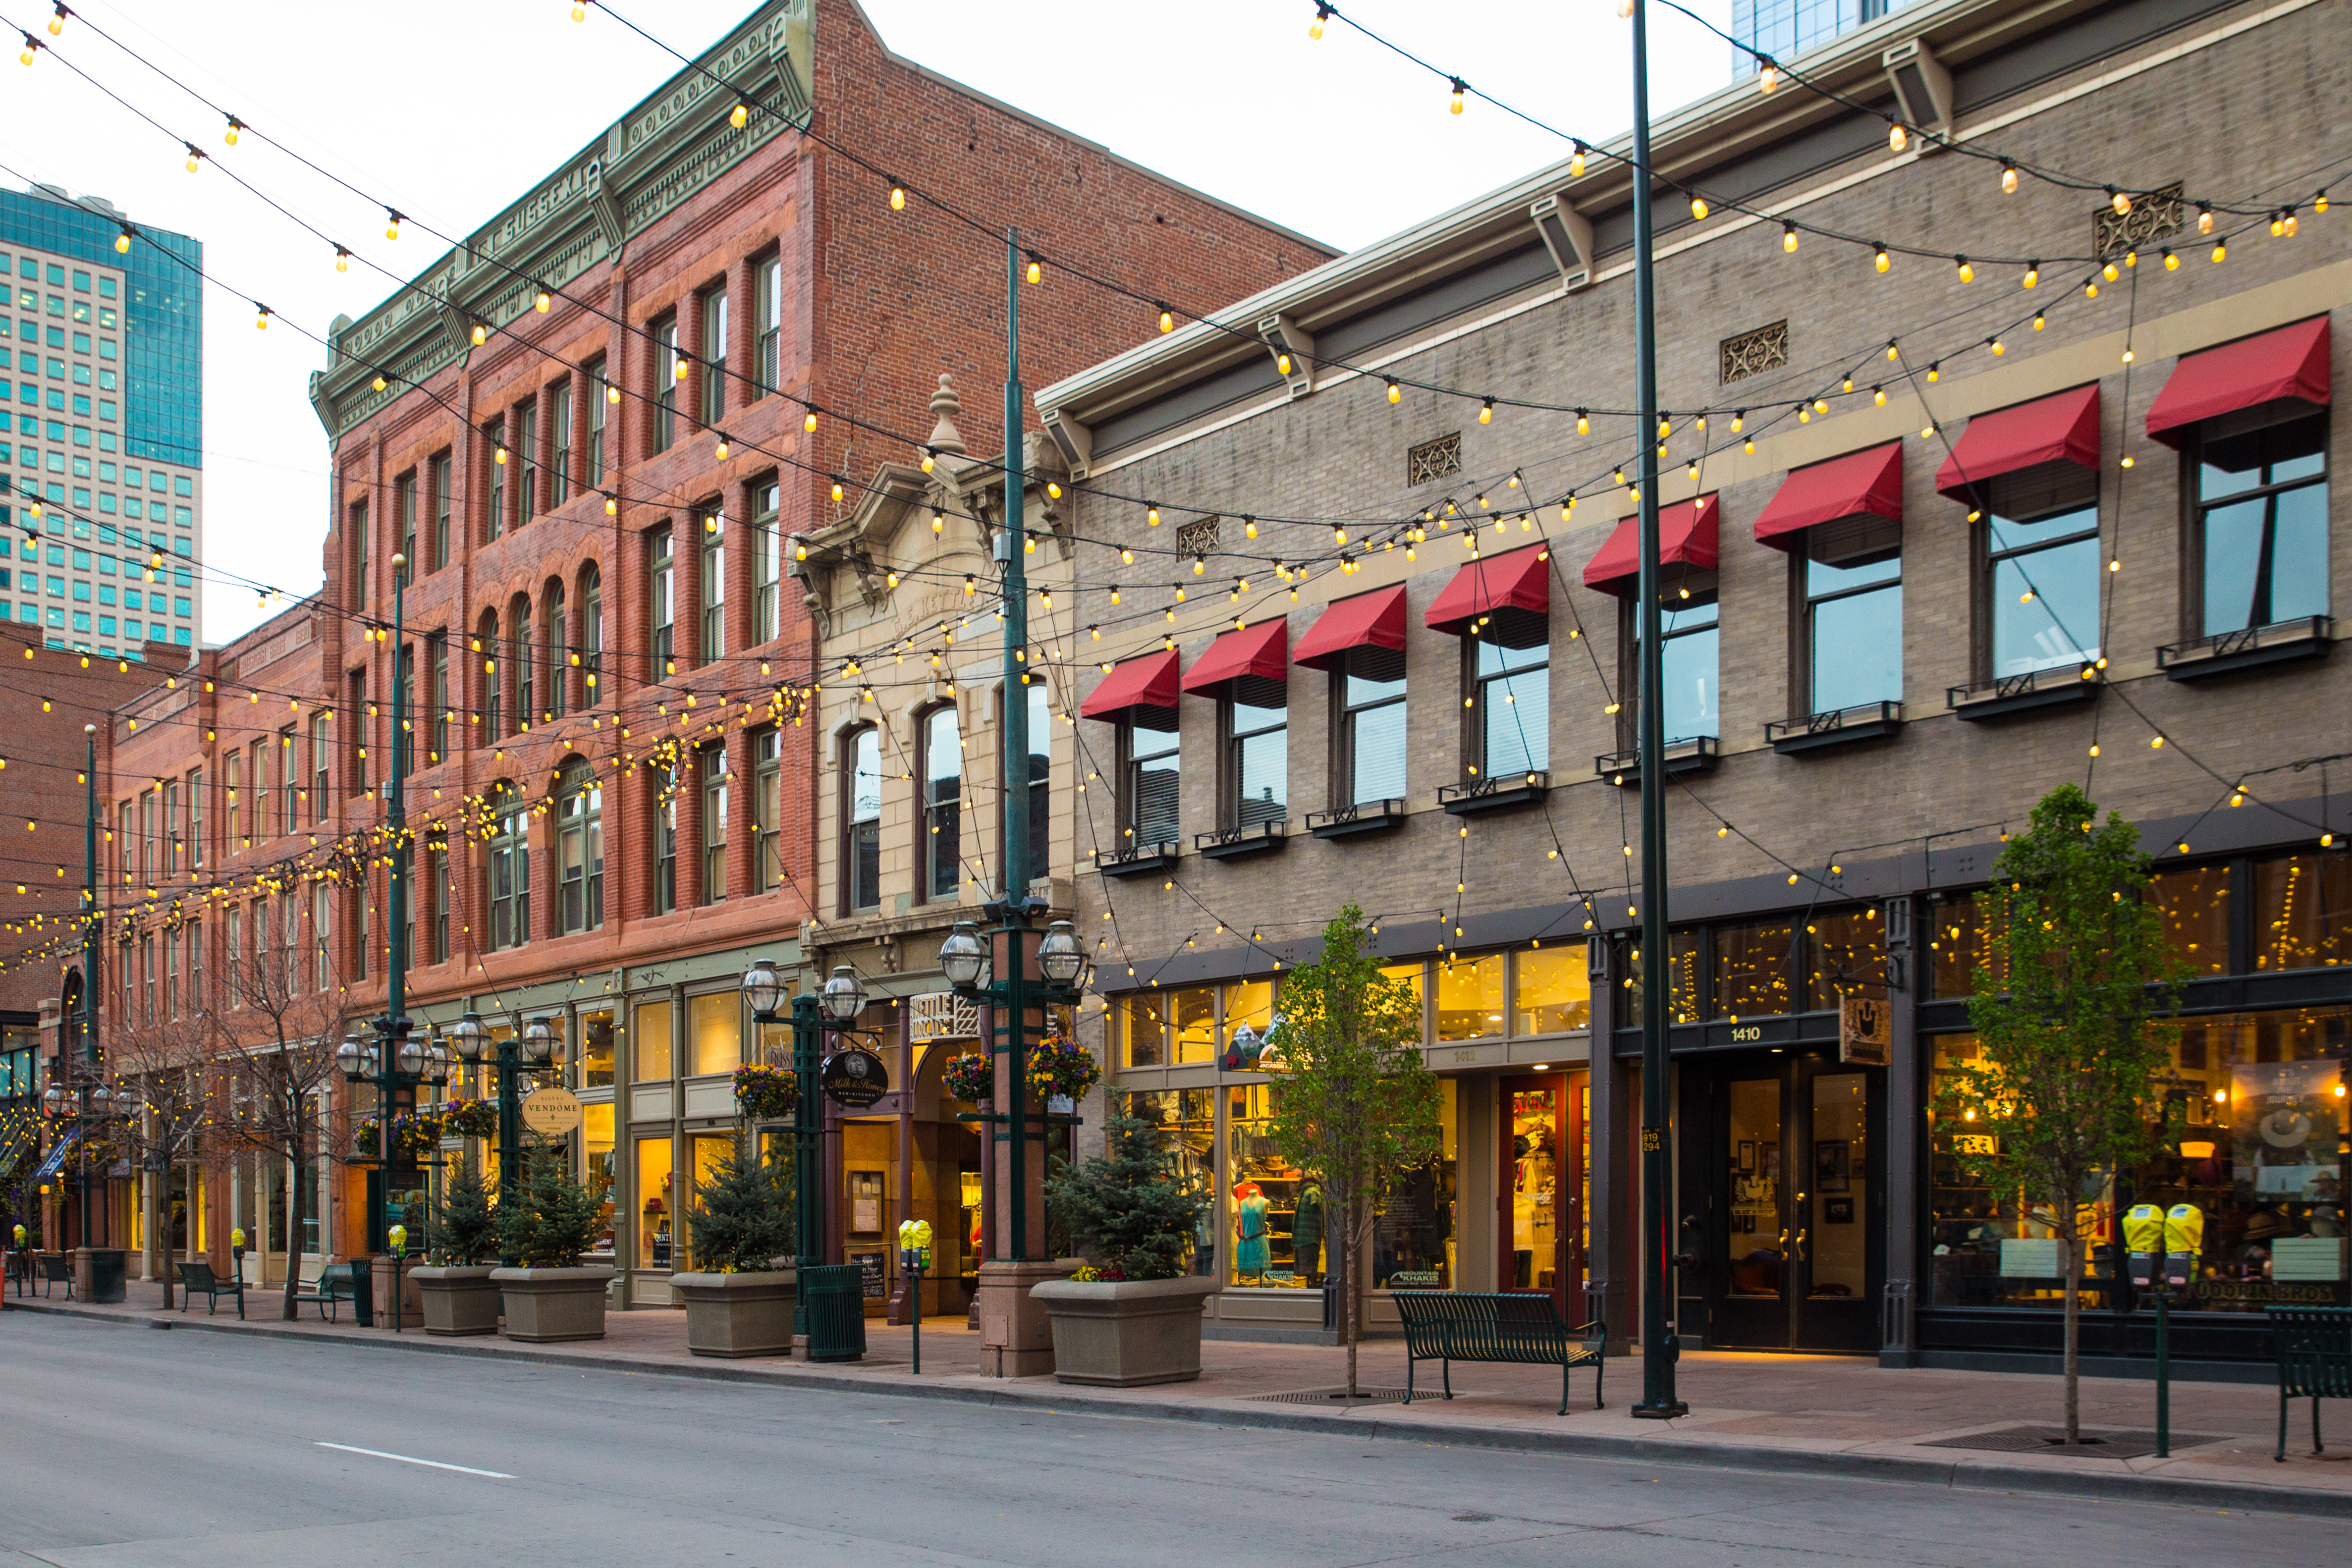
101	427
1786	28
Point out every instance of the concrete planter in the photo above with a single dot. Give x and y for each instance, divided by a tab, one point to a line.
739	1315
544	1305
459	1299
1127	1333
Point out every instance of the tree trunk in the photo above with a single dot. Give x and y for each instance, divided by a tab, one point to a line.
2066	1245
159	1246
293	1238
1348	1293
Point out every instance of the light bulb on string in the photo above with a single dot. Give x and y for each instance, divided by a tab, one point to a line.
897	197
122	241
1885	261
1767	80
1460	88
1487	412
1898	138
1396	391
1789	238
1314	30
2008	178
1575	161
196	155
58	20
1967	274
2171	262
1167	319
1036	272
1698	207
1583	422
2117	200
392	223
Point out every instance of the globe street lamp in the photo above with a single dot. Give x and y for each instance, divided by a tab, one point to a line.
764	989
472	1040
842	997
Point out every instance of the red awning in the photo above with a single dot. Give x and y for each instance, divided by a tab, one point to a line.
1521	579
2060	429
1858	484
1686	536
1260	650
1148	682
1374	620
2290	362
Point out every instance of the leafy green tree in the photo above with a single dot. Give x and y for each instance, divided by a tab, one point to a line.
549	1220
744	1214
1126	1209
2072	965
1356	1106
466	1229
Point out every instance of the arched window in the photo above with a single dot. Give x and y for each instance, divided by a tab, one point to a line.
591	631
509	870
942	855
554	649
580	846
526	705
486	645
861	852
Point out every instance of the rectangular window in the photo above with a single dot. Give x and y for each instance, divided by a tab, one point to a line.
668	373
322	928
657	1199
665	605
2041	554
580	848
234	956
2303	912
509	871
862	844
1470	998
1154	757
1372	727
768	808
559	466
665	841
289	777
713	584
495	439
319	755
526	457
592	630
265	823
173	848
599	399
359	557
2261	499
767	321
197	817
436	900
1853	614
596	1042
712	760
233	780
940	853
441	467
1687	672
768	558
1551	990
1511	707
439	697
404	488
714	356
1258	755
714	1025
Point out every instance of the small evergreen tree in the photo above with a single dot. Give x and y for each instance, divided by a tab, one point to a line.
743	1216
1355	1105
465	1230
2073	965
546	1220
1126	1209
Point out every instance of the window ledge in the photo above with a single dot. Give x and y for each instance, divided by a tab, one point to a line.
1840	726
1364	817
1141	860
1231	844
1476	795
1697	753
2020	693
2199	658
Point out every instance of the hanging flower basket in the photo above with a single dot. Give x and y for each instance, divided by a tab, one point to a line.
767	1093
470	1119
1058	1065
413	1137
970	1078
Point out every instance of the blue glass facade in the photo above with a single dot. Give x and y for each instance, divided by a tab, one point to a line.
1786	28
163	317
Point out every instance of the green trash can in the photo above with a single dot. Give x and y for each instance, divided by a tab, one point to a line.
835	1295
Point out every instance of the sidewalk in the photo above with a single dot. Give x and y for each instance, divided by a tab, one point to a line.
1795	1413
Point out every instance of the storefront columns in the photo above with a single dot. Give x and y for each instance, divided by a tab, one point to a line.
1903	1187
1608	1267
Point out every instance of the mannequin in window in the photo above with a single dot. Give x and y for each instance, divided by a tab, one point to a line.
1251	1253
1307	1236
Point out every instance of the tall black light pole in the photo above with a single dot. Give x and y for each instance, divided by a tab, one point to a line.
1658	1344
527	1047
90	1070
839	1003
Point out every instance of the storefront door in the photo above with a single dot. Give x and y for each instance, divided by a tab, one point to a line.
1543	1188
1793	1258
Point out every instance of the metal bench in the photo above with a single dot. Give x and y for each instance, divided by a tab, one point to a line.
2314	1361
1507	1326
196	1274
57	1268
337	1282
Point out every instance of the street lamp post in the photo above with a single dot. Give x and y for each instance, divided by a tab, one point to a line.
525	1049
395	1065
89	1076
837	1002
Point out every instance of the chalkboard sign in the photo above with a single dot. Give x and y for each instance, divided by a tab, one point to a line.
871	1275
855	1077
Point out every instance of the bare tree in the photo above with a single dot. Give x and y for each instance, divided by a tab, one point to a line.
273	1046
165	1077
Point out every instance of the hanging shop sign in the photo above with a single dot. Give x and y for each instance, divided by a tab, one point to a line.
1863	1033
551	1113
855	1077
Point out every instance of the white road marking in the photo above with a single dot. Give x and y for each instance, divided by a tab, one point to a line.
429	1464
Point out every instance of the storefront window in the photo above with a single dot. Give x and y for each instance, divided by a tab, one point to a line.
1753	972
649	1022
1248	1002
715	1027
1188	1118
1274	1223
1145	1016
596	1049
600	1171
2257	1151
2195	905
707	1149
1847	958
1682	983
1955	946
1195	1016
656	1205
1550	990
2303	912
1412	1239
1470	998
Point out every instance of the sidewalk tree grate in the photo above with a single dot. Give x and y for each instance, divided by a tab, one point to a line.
1326	1396
2102	1445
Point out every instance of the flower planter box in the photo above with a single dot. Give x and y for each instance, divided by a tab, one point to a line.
1126	1333
737	1316
459	1299
544	1305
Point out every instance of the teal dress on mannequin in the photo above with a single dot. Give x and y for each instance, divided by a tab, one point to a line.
1252	1254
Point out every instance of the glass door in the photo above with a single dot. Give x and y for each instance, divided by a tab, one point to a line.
1836	1249
1750	1267
1543	1188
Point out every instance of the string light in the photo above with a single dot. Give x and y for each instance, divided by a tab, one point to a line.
1575	161
1896	138
392	223
1167	319
1314	30
1487	412
2117	200
2033	278
1698	207
1396	391
122	241
1967	274
1767	80
1460	88
1789	238
897	197
2008	177
1885	260
1036	272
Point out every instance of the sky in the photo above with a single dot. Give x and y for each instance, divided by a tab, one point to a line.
449	111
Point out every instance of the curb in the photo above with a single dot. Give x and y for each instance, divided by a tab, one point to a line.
1958	1475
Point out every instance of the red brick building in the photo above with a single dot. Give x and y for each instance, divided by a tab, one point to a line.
590	429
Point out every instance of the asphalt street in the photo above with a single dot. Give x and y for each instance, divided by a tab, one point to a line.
188	1450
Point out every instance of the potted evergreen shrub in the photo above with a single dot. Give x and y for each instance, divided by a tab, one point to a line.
1132	1315
546	1223
738	1301
460	1298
